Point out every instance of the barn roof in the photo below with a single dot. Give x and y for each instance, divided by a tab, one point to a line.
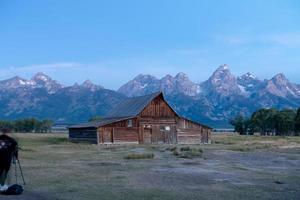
133	106
126	110
98	123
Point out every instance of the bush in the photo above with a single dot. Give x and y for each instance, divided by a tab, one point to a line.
188	152
175	153
134	156
171	149
185	148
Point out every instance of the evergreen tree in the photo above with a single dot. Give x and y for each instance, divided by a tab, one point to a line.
297	122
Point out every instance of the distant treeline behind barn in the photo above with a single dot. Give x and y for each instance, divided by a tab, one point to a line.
269	122
27	125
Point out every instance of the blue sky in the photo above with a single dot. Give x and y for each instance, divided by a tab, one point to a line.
112	41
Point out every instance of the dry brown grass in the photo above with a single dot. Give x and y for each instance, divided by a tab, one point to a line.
54	168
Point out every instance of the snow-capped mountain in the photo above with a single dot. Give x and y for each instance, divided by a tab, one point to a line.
220	97
39	80
140	85
15	82
280	86
222	83
248	83
145	84
44	97
213	101
91	86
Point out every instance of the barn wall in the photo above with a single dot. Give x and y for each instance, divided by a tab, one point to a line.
189	132
127	135
188	136
118	134
83	135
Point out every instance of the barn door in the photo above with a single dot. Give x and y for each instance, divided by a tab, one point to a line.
157	136
204	136
165	133
107	135
147	135
172	135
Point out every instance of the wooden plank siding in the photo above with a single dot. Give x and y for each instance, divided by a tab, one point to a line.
158	108
189	132
119	132
128	135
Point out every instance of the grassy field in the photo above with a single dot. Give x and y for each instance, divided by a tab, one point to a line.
232	167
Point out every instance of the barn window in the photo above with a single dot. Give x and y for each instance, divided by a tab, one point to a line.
165	128
129	123
147	126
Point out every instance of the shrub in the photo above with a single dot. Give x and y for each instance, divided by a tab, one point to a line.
185	148
133	156
175	153
187	152
171	149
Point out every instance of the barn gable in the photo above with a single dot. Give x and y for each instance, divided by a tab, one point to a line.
158	107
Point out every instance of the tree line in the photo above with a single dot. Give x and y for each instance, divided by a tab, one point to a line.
28	125
269	122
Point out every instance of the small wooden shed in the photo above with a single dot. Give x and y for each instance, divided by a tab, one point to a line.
146	119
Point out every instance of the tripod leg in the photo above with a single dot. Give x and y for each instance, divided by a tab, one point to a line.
21	171
16	173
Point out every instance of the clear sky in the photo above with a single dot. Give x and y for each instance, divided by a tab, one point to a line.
112	41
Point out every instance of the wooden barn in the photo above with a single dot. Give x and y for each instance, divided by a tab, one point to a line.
146	119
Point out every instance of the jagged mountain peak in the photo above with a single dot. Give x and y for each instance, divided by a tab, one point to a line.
139	85
280	78
222	75
15	82
144	76
279	85
249	83
167	77
181	75
223	67
15	79
40	76
90	85
248	76
222	83
144	84
87	82
41	80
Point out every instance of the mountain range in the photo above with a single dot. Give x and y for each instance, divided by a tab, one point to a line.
212	102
